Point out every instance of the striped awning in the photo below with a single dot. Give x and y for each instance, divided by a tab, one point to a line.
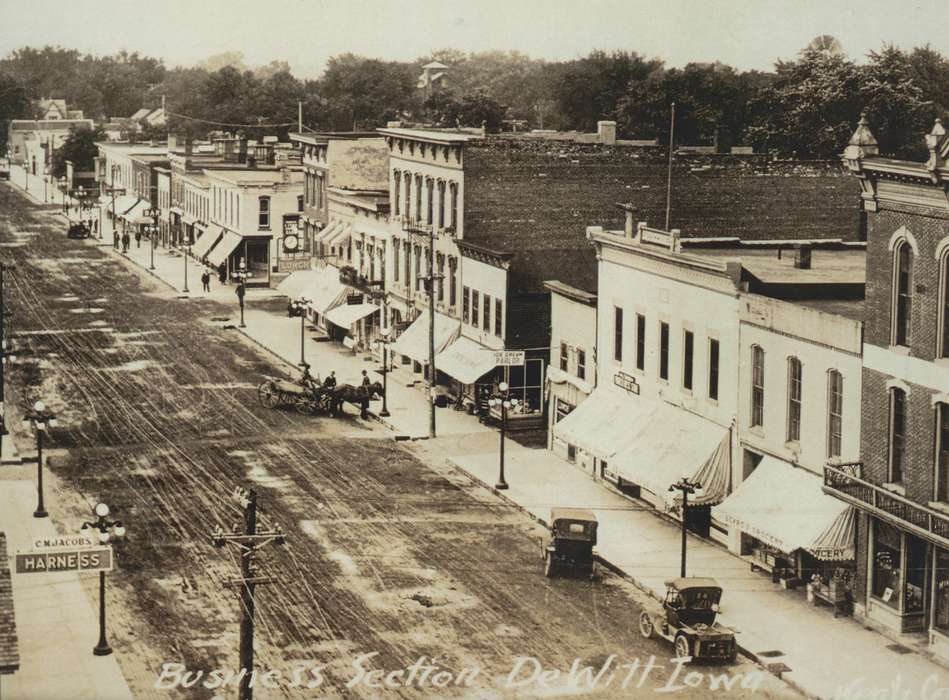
206	241
227	245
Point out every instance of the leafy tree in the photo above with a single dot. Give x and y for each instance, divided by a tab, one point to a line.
931	74
79	148
366	92
14	104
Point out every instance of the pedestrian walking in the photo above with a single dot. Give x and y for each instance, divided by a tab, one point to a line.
364	400
95	226
206	280
222	273
138	237
365	379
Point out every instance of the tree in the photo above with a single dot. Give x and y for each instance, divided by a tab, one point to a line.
14	104
931	74
79	148
364	92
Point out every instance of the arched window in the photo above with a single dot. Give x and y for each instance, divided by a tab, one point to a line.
902	293
896	441
757	385
794	400
835	412
397	191
943	337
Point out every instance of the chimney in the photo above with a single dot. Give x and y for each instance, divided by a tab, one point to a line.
802	256
172	142
606	133
394	124
630	223
675	236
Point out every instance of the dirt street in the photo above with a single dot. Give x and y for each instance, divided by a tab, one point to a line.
386	555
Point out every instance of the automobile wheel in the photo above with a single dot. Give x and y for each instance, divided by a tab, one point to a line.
682	647
548	565
646	628
267	396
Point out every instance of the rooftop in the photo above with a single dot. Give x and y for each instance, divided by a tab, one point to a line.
245	176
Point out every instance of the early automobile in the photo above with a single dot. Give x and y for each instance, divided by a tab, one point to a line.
570	543
687	619
78	230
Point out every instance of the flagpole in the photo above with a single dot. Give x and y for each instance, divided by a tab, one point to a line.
672	127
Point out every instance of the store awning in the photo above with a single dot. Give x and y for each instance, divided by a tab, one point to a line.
340	237
328	231
325	291
555	375
294	284
206	241
784	507
414	341
222	250
465	360
136	215
345	315
593	426
123	203
666	444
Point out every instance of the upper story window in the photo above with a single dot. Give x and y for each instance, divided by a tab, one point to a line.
581	364
300	203
441	204
397	192
757	385
617	334
474	307
897	428
429	201
942	451
563	357
688	348
395	260
498	313
441	276
418	198
663	350
794	400
452	281
902	293
640	342
713	369
486	315
453	196
465	294
406	210
263	217
835	412
943	336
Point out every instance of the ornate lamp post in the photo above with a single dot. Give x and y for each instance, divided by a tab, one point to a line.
300	306
106	530
40	419
687	487
385	338
153	213
242	274
502	399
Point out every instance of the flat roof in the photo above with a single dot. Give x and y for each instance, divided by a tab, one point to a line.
837	266
848	308
240	176
571	292
446	135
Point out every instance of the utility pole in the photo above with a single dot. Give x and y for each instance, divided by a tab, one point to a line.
686	486
299	116
248	542
672	131
430	281
3	357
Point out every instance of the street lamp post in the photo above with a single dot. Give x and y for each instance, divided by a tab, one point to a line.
686	486
503	400
40	419
241	275
385	339
4	355
62	185
107	529
185	258
300	306
154	213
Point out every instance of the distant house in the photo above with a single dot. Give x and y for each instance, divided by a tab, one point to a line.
433	78
53	109
149	116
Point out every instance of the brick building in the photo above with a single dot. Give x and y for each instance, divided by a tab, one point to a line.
901	486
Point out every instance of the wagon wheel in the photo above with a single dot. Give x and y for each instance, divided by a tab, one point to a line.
682	647
549	565
303	404
646	628
266	394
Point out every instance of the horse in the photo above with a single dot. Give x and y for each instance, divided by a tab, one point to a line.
359	395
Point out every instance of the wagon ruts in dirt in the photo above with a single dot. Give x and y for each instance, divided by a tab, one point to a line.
570	543
307	397
687	619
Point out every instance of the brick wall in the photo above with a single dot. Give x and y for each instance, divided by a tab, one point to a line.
928	232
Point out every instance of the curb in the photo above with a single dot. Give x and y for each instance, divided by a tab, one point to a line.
743	650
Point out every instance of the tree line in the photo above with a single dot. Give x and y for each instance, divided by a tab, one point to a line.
805	108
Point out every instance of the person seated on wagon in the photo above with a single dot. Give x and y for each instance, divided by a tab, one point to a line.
330	381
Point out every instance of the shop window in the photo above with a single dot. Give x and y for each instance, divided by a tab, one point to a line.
794	400
581	364
887	560
475	297
688	346
617	334
640	342
486	316
941	592
563	357
465	295
902	293
498	314
942	450
300	202
835	410
663	350
916	551
896	438
757	385
713	369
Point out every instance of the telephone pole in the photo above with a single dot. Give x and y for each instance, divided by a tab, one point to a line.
418	230
248	542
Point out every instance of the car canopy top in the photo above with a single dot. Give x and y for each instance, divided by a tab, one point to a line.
578	514
690	582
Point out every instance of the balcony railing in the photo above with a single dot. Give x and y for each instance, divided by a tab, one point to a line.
844	481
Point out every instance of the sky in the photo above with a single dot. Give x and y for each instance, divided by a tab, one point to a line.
747	34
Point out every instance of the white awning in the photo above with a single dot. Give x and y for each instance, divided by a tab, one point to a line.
340	237
136	214
593	426
555	375
784	506
345	315
206	241
222	250
414	341
123	203
294	284
465	360
326	232
666	444
325	291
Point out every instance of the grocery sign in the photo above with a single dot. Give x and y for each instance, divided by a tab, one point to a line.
56	560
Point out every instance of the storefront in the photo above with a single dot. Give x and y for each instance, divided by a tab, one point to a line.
357	320
471	366
206	242
413	345
564	393
810	543
901	565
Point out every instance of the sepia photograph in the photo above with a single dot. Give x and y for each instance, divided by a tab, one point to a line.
484	350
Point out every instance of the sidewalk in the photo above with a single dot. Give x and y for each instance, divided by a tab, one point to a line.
57	624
